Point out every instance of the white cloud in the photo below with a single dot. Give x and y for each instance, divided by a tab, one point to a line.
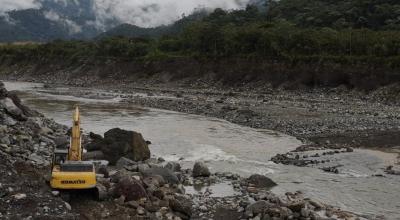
9	5
72	27
144	13
149	13
51	15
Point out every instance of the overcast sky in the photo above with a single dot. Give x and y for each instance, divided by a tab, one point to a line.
155	12
144	13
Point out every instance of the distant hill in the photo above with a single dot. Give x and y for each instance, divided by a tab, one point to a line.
54	20
79	19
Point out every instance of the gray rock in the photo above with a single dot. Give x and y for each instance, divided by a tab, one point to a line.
140	210
26	111
154	180
182	205
5	140
37	159
167	174
130	188
225	213
200	170
284	212
123	161
19	196
12	110
257	208
305	212
102	169
6	119
316	204
119	175
173	166
180	189
142	167
261	181
3	91
68	206
296	206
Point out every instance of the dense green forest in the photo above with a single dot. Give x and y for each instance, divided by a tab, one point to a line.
338	31
373	14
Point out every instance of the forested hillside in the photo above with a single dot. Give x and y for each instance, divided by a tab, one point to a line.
373	14
290	32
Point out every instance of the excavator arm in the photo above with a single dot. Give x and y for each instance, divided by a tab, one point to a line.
75	150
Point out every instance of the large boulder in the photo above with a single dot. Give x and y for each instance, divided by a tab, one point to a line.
119	143
130	188
200	170
261	181
12	106
12	110
96	142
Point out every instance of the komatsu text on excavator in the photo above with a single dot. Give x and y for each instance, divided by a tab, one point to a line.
69	172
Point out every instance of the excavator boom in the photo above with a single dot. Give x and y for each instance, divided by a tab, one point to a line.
75	150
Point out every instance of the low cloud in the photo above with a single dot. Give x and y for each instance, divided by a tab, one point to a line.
150	13
72	27
9	5
144	13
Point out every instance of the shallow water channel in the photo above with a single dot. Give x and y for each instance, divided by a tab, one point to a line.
226	147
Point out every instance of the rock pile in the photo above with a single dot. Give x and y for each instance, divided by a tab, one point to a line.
26	143
25	133
155	189
392	170
311	156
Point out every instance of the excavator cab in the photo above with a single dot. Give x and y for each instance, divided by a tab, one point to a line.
60	156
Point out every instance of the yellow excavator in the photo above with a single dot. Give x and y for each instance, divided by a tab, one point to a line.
69	172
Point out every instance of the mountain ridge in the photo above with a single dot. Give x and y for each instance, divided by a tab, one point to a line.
78	19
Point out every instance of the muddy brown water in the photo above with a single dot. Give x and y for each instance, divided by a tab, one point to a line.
227	147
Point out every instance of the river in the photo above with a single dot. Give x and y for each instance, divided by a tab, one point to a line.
227	147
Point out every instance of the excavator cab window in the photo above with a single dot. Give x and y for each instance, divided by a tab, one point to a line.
60	157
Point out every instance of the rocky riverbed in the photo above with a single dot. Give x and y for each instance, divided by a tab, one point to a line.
150	189
323	118
329	118
320	115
